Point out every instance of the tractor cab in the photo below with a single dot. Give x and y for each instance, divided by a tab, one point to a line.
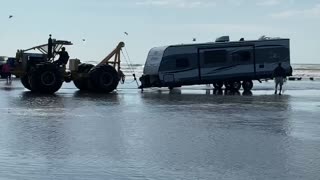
46	53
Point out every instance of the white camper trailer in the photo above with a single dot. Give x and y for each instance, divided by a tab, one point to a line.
232	64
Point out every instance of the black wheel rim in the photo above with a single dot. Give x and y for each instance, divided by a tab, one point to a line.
48	78
236	85
106	79
247	85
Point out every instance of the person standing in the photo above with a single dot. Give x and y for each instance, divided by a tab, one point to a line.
121	76
6	72
279	75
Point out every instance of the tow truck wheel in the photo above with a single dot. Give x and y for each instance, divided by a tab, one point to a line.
236	85
103	78
247	85
218	85
46	79
25	82
82	82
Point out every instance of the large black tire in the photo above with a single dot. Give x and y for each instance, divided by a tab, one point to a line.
235	85
82	82
103	78
247	85
45	79
218	85
25	82
227	85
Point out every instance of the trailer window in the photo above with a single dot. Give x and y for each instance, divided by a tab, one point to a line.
182	63
241	56
274	54
215	57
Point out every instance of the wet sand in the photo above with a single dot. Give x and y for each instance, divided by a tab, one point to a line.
189	133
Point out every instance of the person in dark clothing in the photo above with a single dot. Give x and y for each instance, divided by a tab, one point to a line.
121	76
63	57
6	71
279	75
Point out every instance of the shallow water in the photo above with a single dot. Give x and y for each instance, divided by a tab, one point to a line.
188	133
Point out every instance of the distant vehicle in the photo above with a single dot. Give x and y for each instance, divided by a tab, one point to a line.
221	63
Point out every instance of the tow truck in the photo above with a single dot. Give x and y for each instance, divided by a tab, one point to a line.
40	73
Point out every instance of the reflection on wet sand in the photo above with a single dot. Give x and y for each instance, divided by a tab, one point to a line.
267	112
179	134
219	92
31	100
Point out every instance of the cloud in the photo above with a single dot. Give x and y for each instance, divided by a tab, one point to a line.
177	3
313	12
208	3
268	2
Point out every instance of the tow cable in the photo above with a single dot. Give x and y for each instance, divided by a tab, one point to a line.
128	61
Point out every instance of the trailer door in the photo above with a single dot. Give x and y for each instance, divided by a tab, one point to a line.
226	63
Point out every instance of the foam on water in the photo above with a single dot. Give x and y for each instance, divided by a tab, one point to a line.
306	70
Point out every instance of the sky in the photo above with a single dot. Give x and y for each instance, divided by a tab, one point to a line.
152	23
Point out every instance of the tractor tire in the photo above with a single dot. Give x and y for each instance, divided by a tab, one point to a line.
25	82
45	79
103	78
82	83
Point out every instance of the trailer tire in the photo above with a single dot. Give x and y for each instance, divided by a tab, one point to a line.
218	85
25	82
236	85
45	79
227	85
82	82
247	85
103	78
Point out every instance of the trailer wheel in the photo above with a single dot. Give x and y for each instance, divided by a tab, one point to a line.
103	78
82	82
227	85
218	85
25	82
247	85
46	79
236	85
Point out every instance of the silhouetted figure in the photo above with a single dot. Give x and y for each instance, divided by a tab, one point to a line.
7	72
63	57
242	39
121	76
279	75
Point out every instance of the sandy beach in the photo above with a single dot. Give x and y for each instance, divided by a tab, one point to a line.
188	133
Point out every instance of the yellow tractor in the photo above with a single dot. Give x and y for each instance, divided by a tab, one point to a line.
40	73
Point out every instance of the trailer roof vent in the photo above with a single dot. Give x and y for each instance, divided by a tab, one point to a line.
223	39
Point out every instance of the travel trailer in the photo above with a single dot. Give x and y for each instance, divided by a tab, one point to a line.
222	63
